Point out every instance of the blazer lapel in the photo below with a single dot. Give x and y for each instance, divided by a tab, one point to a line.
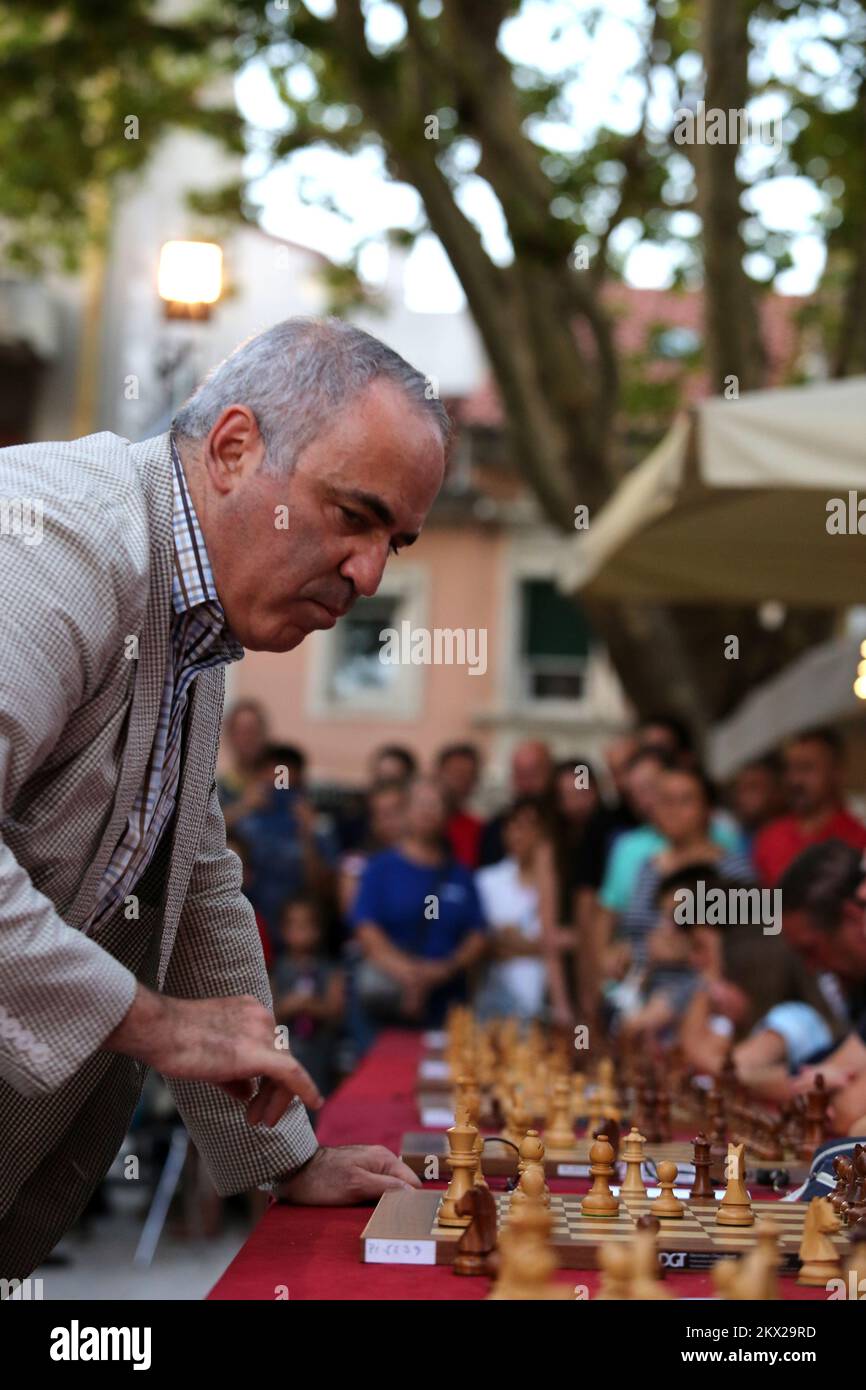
153	459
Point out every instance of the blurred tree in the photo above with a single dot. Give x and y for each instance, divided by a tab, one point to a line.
451	108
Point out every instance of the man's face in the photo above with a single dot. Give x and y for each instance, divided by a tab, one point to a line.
756	797
361	490
811	777
531	769
246	735
642	786
458	776
618	755
805	938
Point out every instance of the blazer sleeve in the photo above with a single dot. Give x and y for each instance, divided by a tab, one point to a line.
60	993
217	951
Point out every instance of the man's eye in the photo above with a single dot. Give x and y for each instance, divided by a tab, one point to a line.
353	518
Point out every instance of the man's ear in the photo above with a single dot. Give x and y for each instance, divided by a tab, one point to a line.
233	449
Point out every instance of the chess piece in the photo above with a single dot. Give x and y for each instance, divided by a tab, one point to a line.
578	1096
820	1256
461	1160
633	1157
526	1261
855	1265
666	1204
559	1133
702	1187
600	1201
609	1128
531	1188
646	1271
755	1275
615	1263
815	1132
478	1242
735	1208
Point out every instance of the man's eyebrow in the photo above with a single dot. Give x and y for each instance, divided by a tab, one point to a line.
374	504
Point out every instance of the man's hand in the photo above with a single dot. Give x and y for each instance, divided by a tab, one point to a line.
345	1175
229	1042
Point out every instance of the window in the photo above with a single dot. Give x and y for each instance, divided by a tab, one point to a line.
357	669
555	641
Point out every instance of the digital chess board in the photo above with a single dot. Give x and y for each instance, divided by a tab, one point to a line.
404	1230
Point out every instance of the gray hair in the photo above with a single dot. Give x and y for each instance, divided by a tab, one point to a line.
296	377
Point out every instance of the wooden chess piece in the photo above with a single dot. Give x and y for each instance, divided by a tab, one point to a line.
531	1156
702	1187
461	1160
531	1188
527	1262
820	1256
600	1201
609	1128
815	1131
615	1263
666	1205
735	1208
559	1133
478	1242
633	1156
646	1270
855	1265
755	1275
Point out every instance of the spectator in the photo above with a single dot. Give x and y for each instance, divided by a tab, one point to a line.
665	734
392	763
457	771
813	778
234	842
289	856
576	801
245	734
386	819
418	920
531	775
755	994
667	982
309	992
682	815
757	795
824	902
516	895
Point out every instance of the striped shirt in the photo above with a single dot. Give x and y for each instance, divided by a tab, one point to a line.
200	637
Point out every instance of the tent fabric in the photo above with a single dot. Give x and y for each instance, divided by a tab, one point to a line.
732	506
815	689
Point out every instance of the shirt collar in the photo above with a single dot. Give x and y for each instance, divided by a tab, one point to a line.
192	581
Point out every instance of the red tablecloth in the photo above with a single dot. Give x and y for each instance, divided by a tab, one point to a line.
315	1252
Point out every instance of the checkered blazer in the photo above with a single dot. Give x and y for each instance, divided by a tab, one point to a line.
77	720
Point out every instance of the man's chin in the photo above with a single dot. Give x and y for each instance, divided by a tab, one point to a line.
285	639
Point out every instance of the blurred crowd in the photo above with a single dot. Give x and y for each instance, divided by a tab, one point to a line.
623	897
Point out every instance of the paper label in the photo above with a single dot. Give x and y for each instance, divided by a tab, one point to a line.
399	1252
432	1069
437	1119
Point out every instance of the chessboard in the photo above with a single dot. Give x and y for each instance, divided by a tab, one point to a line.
500	1159
404	1229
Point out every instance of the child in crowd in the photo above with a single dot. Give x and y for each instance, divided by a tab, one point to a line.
755	994
309	992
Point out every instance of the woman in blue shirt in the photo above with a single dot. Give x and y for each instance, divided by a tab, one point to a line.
418	920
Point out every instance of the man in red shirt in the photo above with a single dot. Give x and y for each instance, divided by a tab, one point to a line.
813	781
457	769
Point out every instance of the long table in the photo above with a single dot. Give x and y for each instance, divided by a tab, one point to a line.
314	1252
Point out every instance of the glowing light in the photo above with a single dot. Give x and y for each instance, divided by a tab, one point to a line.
190	272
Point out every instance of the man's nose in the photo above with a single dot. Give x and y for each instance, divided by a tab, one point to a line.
365	568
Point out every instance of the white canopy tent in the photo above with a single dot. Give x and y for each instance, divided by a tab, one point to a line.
732	506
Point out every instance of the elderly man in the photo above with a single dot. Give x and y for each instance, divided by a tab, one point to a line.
289	476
